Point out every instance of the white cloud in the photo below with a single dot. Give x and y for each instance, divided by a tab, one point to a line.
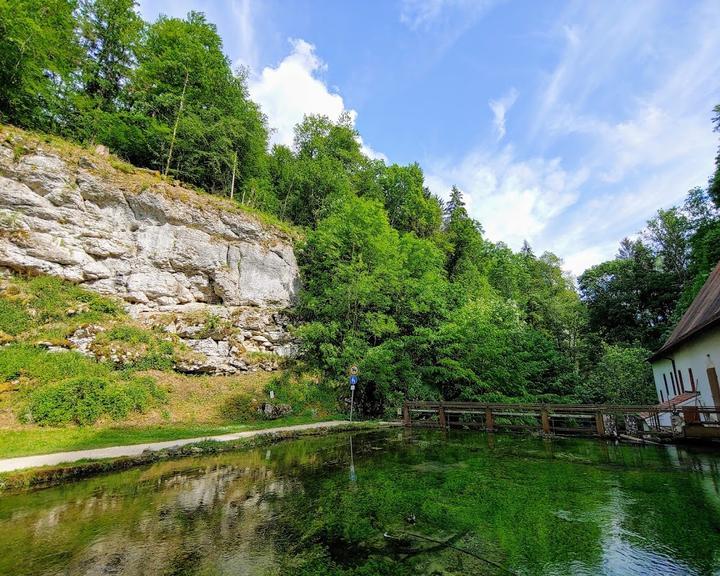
244	34
417	14
655	141
293	89
500	109
514	200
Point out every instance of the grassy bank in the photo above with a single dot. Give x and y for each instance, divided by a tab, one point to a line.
55	399
29	442
52	475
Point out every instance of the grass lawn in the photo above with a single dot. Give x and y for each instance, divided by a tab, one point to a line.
30	441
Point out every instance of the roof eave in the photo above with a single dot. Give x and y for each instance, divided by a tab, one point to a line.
665	350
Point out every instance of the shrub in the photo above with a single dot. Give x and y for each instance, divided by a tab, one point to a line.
44	367
84	400
305	395
79	400
241	408
13	318
623	376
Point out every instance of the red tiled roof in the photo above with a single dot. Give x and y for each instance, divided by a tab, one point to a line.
703	313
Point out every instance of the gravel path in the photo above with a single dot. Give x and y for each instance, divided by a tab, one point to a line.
10	464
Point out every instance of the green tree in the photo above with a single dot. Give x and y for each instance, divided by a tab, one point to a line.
328	160
714	185
410	206
110	33
466	249
38	55
630	299
195	113
623	376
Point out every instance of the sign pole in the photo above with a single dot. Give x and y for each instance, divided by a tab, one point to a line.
353	381
352	400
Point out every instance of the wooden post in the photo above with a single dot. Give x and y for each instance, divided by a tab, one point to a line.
714	385
441	416
545	417
406	415
599	423
489	421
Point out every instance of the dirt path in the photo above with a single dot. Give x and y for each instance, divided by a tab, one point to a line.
11	464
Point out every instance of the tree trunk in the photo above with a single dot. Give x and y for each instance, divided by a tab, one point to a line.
177	120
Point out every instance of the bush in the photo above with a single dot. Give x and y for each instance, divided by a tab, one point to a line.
43	367
79	400
13	318
241	408
306	395
84	400
623	376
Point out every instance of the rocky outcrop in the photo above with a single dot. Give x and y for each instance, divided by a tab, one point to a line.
214	275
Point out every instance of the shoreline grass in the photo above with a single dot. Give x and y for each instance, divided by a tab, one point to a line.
46	476
31	442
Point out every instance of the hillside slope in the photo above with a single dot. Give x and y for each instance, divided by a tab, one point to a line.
196	265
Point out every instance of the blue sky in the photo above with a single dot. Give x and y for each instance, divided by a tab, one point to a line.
565	123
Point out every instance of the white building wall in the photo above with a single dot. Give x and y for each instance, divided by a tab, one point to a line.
693	355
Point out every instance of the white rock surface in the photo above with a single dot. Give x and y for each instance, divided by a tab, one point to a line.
162	249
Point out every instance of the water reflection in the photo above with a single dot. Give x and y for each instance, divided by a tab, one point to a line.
527	505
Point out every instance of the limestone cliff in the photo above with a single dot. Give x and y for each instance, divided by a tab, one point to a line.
197	264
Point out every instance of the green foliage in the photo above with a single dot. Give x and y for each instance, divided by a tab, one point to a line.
201	116
621	377
630	299
14	317
128	346
307	396
410	206
83	400
38	54
638	297
49	309
110	33
382	300
65	387
714	184
43	367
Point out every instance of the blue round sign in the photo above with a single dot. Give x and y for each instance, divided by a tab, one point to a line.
353	380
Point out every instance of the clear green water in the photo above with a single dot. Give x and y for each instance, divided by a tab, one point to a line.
490	504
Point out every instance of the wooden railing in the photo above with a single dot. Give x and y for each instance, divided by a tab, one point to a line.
640	422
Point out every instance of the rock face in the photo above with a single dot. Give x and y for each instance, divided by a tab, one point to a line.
216	276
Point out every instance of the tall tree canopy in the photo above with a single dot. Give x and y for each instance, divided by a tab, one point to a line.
39	53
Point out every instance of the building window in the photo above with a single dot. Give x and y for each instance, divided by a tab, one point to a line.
681	383
692	380
672	378
662	399
667	390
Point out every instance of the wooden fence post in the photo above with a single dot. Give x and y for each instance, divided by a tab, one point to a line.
600	423
545	417
489	421
441	416
406	415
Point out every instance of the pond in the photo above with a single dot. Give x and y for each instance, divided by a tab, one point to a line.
389	502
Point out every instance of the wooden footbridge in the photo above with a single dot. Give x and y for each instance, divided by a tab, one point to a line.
643	423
